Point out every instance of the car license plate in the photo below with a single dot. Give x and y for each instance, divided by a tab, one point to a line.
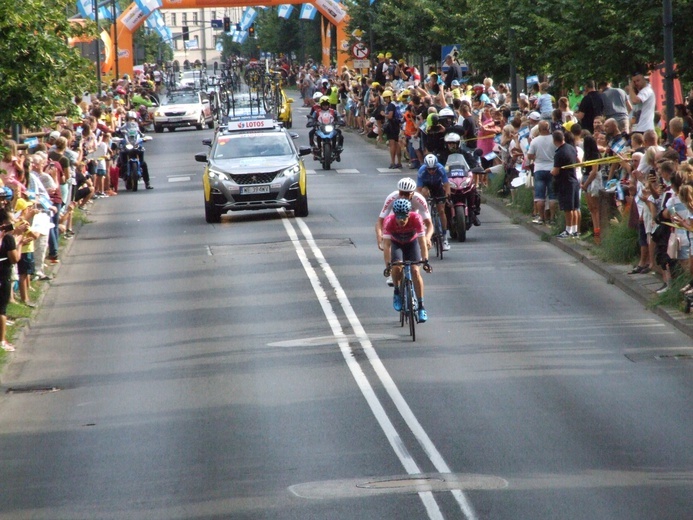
249	190
174	119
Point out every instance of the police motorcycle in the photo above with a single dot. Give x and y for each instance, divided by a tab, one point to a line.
327	141
465	201
130	144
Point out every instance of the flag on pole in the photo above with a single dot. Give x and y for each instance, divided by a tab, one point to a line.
86	8
308	12
249	15
148	6
285	10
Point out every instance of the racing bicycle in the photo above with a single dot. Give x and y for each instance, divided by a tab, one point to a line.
408	314
438	231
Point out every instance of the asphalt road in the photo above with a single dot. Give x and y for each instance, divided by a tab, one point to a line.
255	369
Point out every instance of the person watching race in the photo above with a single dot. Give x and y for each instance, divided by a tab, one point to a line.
406	189
405	238
432	181
324	114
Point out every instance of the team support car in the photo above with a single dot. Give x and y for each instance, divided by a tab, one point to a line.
253	164
181	108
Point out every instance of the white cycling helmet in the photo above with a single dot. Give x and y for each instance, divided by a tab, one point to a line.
452	137
406	184
430	161
317	96
446	112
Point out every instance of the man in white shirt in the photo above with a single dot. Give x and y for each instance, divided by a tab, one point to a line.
541	152
641	95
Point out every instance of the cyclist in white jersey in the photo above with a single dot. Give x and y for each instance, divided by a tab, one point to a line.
406	189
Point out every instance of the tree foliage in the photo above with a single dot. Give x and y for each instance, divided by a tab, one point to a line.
279	36
571	41
39	72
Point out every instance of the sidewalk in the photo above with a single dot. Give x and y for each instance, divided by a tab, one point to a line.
640	287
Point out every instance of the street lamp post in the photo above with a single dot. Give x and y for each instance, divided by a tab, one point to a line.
669	73
98	48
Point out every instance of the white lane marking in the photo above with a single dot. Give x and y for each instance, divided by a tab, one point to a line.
348	170
179	178
390	171
384	376
393	437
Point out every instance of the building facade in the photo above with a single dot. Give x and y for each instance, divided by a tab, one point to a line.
201	45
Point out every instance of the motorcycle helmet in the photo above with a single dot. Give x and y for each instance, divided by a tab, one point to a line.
142	108
446	112
401	208
430	161
317	96
324	100
452	137
131	115
406	184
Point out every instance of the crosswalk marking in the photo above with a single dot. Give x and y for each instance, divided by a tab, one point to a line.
179	178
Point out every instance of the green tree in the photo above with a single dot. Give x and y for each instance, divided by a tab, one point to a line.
155	49
39	72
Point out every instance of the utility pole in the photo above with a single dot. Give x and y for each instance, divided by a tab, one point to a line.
669	73
115	37
98	49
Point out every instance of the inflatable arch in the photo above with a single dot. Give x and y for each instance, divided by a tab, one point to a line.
133	17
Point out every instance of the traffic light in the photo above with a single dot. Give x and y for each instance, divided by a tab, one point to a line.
186	33
227	24
251	30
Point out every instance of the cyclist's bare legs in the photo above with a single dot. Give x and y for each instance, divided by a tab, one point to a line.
418	281
443	218
396	275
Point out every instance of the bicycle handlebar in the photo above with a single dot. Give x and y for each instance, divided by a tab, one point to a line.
426	266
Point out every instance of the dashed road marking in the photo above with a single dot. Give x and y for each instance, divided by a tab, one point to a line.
179	178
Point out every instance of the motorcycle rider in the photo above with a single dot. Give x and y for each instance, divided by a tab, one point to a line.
452	141
312	115
406	189
433	178
404	238
131	124
323	114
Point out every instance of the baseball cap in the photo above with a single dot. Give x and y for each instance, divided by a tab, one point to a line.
381	55
375	84
535	116
455	83
22	204
568	125
54	135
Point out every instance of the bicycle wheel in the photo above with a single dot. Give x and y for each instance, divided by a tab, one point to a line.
410	310
402	312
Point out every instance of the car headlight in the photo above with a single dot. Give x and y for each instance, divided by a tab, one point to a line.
291	171
158	113
217	174
329	129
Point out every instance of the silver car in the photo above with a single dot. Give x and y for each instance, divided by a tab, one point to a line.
253	164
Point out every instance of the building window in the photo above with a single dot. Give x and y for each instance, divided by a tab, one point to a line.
185	18
214	15
194	19
173	20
